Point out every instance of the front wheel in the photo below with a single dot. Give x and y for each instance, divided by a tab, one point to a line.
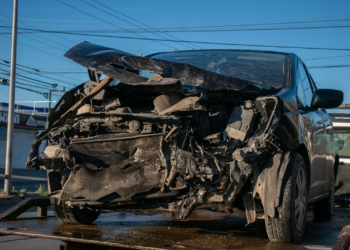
290	217
75	215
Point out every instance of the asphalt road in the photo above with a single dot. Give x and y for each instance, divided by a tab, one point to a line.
205	230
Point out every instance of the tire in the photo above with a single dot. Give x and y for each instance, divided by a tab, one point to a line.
74	215
290	217
323	209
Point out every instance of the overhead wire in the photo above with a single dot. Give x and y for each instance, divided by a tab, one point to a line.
187	30
31	38
249	25
32	90
326	57
199	42
267	21
155	31
38	73
36	81
329	66
110	23
212	6
28	89
61	58
40	83
42	37
4	93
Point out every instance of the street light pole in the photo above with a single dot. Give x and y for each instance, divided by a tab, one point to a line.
8	164
50	94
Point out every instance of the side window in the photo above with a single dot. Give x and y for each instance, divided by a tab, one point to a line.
304	90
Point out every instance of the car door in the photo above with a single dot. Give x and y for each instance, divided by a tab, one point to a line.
328	149
314	134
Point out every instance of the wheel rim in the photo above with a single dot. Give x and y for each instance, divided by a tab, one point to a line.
300	199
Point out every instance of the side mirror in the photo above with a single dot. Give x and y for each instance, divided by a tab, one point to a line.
327	98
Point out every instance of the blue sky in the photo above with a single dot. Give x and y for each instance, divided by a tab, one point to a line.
291	25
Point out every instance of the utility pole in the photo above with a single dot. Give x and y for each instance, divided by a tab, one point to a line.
50	94
8	164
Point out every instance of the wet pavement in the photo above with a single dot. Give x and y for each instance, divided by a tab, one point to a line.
205	230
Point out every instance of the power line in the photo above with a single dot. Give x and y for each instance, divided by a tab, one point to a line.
42	84
188	29
8	65
329	66
26	84
108	22
4	93
62	58
154	30
211	21
43	76
327	57
32	90
254	24
38	41
182	7
34	39
199	42
43	37
27	89
37	81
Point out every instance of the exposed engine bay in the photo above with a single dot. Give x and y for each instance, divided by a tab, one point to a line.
156	147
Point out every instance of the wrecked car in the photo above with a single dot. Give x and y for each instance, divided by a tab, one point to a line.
224	130
341	131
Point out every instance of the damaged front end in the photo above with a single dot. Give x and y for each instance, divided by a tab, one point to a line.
181	139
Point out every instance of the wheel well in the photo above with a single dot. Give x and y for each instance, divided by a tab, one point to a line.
301	149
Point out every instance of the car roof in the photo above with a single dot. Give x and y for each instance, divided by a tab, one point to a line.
228	50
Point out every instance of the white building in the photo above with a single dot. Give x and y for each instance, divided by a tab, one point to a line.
28	120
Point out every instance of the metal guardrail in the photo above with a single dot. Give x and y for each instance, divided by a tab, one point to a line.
29	107
344	106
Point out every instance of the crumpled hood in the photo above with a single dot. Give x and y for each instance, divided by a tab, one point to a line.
125	67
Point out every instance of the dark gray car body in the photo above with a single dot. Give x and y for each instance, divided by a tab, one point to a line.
186	136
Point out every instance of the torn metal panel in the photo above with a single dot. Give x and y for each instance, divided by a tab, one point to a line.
249	207
240	123
269	182
114	162
186	104
193	80
33	161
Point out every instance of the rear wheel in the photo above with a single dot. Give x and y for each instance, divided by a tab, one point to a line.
289	222
324	208
75	215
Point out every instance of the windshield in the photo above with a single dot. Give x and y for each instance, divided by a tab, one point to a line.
342	140
266	70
